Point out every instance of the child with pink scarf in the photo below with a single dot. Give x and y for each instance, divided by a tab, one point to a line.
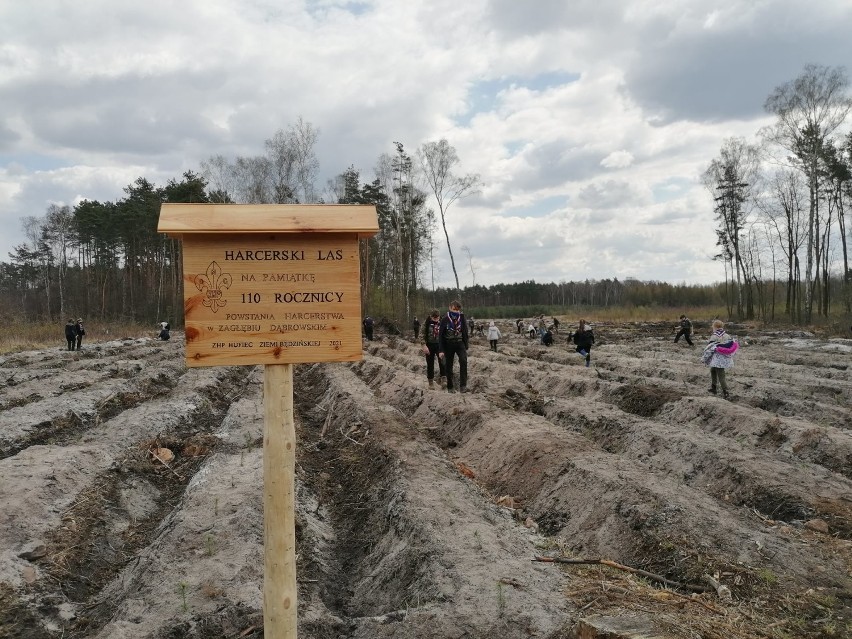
719	356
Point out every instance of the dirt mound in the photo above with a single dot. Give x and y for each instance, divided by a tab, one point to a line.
132	492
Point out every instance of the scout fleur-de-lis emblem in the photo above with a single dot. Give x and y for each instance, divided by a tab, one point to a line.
212	284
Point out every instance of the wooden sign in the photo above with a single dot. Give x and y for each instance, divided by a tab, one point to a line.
256	295
274	285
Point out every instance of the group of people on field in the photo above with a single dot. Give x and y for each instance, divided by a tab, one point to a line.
446	339
74	332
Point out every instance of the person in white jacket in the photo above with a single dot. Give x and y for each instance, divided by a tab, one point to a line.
493	335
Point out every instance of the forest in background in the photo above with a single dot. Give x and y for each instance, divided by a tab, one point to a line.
781	208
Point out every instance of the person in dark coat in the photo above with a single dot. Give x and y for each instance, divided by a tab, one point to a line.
583	339
368	327
685	330
79	332
71	334
416	326
453	342
164	331
431	347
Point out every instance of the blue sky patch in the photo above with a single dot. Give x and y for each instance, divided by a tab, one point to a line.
31	162
356	8
482	95
539	208
670	189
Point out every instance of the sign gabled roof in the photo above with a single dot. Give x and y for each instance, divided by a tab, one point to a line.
177	220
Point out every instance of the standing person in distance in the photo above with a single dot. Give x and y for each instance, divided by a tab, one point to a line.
453	342
431	333
416	326
368	327
556	325
685	330
719	356
583	339
80	331
493	335
71	333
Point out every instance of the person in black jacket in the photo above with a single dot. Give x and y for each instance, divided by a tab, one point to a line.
453	342
368	327
79	332
584	338
685	330
71	334
431	346
416	326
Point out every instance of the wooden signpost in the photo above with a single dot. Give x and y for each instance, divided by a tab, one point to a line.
274	285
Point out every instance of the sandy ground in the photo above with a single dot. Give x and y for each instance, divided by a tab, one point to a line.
420	512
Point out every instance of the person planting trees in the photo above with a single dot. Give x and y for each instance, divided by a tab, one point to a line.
583	339
79	331
719	356
493	335
684	330
453	342
431	346
71	333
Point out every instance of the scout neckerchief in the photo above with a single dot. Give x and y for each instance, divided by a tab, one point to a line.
455	320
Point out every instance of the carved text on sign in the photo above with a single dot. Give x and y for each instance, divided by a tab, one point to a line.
286	298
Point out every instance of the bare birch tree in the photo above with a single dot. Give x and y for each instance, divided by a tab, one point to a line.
437	161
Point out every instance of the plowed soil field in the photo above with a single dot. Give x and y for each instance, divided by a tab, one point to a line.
131	492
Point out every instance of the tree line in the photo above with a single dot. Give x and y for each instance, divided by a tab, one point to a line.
782	203
106	260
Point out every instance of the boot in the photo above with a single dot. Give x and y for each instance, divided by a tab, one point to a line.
431	383
713	389
725	394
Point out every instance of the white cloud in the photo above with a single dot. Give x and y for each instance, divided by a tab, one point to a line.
618	160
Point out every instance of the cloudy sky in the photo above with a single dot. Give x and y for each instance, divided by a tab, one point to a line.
589	121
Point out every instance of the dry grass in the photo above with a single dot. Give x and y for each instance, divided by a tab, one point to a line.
646	314
25	336
600	591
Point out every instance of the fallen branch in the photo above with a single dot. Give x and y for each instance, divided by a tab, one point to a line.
635	571
346	435
723	592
